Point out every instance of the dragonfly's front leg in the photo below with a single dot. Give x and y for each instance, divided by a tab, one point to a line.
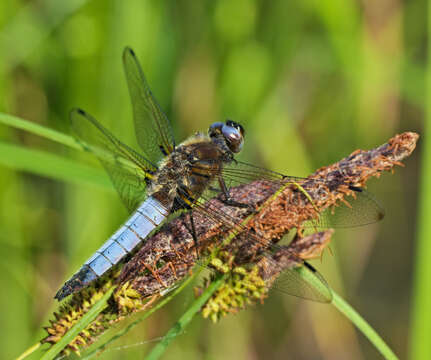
227	198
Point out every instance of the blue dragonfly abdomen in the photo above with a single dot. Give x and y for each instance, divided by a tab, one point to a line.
144	220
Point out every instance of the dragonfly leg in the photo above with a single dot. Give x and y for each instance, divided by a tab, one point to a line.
228	200
194	235
192	231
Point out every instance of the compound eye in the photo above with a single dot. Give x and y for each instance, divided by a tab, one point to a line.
235	125
234	137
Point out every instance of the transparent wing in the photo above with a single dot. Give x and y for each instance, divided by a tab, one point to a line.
305	282
128	170
290	281
360	209
238	173
153	131
301	279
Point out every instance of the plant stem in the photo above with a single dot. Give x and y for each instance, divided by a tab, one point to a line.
129	327
186	318
363	326
82	323
39	130
29	351
51	166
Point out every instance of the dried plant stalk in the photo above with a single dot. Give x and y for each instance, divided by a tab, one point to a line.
274	208
174	244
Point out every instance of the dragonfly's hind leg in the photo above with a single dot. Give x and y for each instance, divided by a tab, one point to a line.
192	231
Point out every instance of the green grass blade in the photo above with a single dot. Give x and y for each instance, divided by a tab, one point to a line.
163	302
29	351
363	326
39	130
349	312
310	278
79	326
58	137
186	318
52	166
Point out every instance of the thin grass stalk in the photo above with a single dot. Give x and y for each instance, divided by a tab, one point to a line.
363	326
39	130
73	332
29	351
101	347
52	166
340	304
186	318
79	326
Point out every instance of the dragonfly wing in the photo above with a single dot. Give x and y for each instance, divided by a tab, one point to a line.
238	173
153	130
360	209
303	281
128	170
291	279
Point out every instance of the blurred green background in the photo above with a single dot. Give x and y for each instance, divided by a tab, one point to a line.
310	80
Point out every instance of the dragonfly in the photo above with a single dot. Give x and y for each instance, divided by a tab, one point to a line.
165	178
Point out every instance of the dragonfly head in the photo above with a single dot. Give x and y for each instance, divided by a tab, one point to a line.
232	132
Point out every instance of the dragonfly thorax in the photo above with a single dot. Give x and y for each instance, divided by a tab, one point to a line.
184	174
